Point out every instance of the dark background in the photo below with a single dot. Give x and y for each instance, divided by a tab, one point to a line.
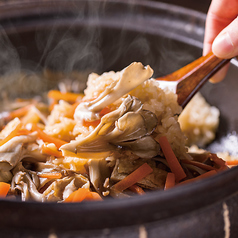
199	5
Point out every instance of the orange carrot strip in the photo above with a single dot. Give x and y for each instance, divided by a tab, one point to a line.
52	104
49	151
91	123
47	138
13	133
93	196
137	189
104	111
173	162
220	162
70	97
198	164
96	122
77	196
70	113
202	176
23	131
50	175
19	112
82	194
134	177
4	188
232	162
170	181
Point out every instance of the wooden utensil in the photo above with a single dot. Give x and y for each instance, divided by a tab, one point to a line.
187	81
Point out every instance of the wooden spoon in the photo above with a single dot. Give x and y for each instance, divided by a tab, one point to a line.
186	81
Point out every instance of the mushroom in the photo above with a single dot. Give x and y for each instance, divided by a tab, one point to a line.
14	150
131	77
128	127
28	182
98	173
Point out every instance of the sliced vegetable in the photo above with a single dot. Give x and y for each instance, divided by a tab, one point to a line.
202	176
4	188
137	189
133	178
19	112
218	161
91	123
70	113
96	122
232	162
173	162
47	138
198	164
47	150
13	133
50	175
170	181
69	97
82	194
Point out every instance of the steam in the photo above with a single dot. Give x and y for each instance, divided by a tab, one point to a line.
90	39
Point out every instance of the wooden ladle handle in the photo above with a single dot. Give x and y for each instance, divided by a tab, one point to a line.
193	76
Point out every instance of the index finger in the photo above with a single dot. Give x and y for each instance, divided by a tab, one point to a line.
220	14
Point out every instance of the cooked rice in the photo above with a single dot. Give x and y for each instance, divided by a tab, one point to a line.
161	102
199	121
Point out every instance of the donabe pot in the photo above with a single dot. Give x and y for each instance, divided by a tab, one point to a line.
62	37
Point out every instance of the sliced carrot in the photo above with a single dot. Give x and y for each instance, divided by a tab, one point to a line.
218	161
77	196
46	150
137	189
170	181
232	162
91	123
198	164
82	194
13	133
4	188
23	131
134	177
173	162
202	176
93	196
69	97
52	104
70	113
104	111
96	122
19	112
47	138
53	175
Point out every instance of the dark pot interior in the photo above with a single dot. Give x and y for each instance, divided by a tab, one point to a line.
84	36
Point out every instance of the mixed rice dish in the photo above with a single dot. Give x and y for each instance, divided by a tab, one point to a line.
122	136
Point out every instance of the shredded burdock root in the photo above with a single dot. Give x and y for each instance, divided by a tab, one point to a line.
121	137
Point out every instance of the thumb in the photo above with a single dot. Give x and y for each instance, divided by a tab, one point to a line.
225	44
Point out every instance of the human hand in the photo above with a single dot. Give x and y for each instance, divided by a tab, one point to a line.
221	32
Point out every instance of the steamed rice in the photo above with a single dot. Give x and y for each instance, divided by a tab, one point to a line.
199	121
161	102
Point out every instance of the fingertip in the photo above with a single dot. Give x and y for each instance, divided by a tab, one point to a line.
220	75
222	46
